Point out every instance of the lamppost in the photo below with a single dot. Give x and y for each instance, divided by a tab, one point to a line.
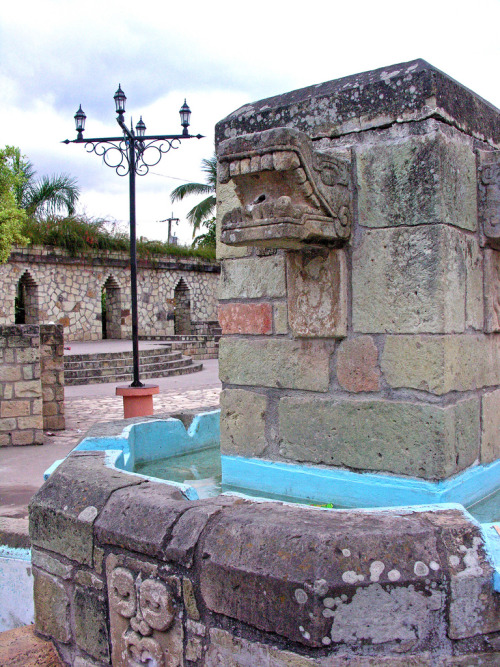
132	154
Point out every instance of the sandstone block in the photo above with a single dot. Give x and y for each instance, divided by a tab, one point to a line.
292	364
357	365
55	423
45	561
91	633
242	422
28	389
14	408
474	304
10	373
403	438
280	312
490	437
246	318
34	421
440	364
8	424
51	607
492	290
317	293
29	437
427	179
227	200
409	280
253	278
27	355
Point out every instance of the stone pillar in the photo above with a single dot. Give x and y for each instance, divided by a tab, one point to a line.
52	363
357	334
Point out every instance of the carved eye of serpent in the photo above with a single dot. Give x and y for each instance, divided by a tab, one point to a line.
156	604
122	592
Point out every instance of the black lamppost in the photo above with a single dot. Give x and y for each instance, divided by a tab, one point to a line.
127	155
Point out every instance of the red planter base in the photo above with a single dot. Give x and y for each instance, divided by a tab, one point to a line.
137	401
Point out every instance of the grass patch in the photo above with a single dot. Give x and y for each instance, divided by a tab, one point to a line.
78	234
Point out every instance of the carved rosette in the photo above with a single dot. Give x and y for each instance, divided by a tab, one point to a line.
144	626
489	195
291	195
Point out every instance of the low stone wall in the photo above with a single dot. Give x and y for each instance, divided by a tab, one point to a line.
198	347
67	290
126	566
31	382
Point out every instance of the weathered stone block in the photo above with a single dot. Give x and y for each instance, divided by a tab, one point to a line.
14	408
29	437
253	278
227	200
490	437
440	364
45	561
27	355
409	280
90	619
246	318
8	424
357	365
491	290
317	293
280	313
294	364
10	373
51	607
489	195
34	421
242	422
404	438
417	180
28	389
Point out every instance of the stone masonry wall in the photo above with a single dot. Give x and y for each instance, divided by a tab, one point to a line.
52	369
392	342
68	290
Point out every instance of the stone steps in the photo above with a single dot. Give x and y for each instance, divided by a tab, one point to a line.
196	346
118	366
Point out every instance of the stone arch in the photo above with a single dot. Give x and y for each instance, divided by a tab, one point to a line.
111	308
26	301
182	309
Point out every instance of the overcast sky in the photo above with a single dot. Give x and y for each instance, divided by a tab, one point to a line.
56	54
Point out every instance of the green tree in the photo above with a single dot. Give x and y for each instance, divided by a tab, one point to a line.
45	196
203	212
12	216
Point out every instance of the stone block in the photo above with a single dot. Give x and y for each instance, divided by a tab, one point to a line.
253	278
90	622
14	408
489	195
51	607
317	293
474	302
492	290
63	511
246	318
10	373
490	436
8	424
28	389
242	423
440	364
189	599
29	437
280	314
55	423
44	561
283	363
415	439
415	180
27	355
409	280
325	578
357	365
35	421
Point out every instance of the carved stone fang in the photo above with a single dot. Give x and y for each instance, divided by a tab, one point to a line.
290	193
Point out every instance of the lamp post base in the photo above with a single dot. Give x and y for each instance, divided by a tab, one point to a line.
137	401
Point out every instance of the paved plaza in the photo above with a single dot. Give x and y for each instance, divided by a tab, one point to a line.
22	468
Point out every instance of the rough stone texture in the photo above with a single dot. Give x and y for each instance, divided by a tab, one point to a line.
280	311
51	607
357	365
409	280
52	358
299	364
246	318
490	437
492	290
404	438
440	364
141	518
409	91
67	290
351	577
63	511
419	180
243	422
253	278
317	293
44	561
489	195
227	200
22	648
189	599
91	633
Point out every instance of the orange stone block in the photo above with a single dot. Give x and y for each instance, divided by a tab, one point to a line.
246	318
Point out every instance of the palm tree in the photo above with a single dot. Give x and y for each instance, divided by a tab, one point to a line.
203	211
44	196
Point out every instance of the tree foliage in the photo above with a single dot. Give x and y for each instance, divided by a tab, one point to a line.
12	216
203	212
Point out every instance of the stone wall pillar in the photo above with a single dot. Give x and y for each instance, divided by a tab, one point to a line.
52	366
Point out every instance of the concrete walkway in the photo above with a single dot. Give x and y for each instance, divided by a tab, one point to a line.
22	468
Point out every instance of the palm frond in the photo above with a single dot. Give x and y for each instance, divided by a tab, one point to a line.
187	189
204	209
51	194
